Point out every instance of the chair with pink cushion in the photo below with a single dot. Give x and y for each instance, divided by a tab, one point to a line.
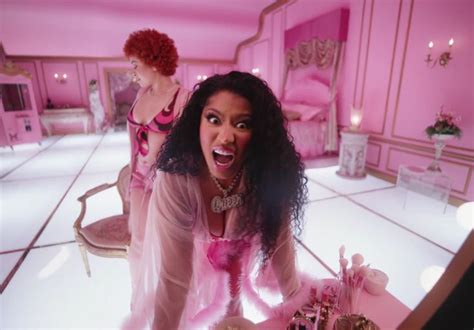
105	237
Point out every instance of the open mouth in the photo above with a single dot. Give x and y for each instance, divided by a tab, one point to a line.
223	157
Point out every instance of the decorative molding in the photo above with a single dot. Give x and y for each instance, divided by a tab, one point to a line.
314	51
261	21
367	52
381	175
392	64
402	70
420	148
358	54
428	142
11	69
378	154
466	181
35	76
79	80
54	62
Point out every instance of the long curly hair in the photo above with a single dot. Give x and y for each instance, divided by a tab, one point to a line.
275	184
154	49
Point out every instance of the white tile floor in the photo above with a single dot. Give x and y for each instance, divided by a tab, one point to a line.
39	186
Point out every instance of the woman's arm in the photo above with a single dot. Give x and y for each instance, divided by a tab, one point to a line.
171	211
284	263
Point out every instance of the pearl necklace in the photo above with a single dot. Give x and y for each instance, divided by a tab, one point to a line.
220	204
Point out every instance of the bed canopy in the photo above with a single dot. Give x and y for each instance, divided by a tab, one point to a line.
319	44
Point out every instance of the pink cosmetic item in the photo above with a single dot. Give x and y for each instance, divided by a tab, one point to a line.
375	282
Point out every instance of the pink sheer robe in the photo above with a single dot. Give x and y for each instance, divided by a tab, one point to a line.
184	282
142	176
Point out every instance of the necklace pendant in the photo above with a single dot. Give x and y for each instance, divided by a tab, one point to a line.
220	204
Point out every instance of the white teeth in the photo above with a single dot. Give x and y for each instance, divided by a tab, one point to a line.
223	152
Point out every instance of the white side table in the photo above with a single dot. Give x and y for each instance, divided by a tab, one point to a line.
418	179
352	154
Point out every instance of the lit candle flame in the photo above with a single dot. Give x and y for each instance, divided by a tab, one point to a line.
451	42
430	45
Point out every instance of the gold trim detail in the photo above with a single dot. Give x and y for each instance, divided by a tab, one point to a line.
367	52
261	21
469	167
402	70
390	77
11	69
358	54
317	51
378	154
420	148
76	64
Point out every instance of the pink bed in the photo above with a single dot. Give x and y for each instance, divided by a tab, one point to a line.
305	105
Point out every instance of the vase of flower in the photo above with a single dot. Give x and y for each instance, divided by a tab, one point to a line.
440	143
443	130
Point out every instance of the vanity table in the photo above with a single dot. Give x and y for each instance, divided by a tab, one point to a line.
51	117
384	310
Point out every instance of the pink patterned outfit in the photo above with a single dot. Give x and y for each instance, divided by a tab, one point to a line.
142	175
190	279
162	123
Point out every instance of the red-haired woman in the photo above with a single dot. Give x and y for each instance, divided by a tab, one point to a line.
159	102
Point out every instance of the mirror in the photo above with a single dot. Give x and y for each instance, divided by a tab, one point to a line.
121	91
15	97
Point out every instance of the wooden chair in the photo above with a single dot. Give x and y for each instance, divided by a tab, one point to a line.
106	237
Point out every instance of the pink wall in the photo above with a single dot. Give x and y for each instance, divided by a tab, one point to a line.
400	94
75	92
385	73
383	69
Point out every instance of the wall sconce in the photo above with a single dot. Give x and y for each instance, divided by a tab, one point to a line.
201	77
356	118
442	59
256	72
61	79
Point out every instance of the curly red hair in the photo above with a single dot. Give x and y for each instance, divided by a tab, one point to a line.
154	49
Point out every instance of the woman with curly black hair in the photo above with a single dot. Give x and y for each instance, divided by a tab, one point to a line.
229	192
